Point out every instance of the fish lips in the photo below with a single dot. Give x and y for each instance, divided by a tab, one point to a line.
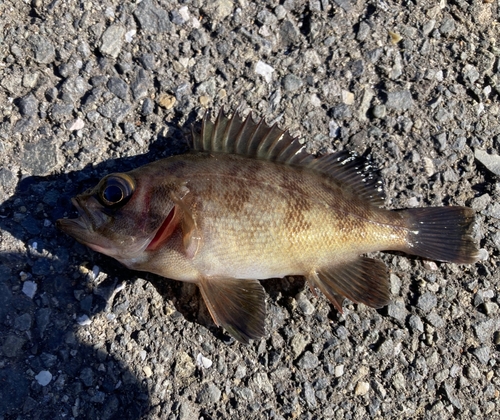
74	226
83	228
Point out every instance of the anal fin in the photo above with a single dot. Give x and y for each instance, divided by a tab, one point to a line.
238	305
363	280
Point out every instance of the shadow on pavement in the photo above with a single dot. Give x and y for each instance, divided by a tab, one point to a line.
38	333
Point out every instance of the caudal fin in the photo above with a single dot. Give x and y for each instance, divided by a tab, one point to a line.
441	234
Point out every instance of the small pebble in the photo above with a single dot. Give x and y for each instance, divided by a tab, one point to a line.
339	371
490	161
29	288
147	371
416	323
129	36
147	107
347	97
395	37
78	124
430	265
482	354
308	361
166	101
265	70
291	83
28	106
471	73
203	362
362	388
304	304
399	100
379	111
44	377
309	395
209	394
427	301
204	101
112	40
397	310
83	320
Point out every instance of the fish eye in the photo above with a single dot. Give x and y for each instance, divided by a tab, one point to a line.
116	190
113	194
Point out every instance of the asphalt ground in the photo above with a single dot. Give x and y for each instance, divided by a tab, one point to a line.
88	88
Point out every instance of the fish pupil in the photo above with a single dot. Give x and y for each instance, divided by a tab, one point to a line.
113	194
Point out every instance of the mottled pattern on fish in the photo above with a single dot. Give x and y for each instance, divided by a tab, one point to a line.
248	203
288	223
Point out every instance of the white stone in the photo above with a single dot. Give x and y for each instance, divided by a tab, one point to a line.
265	70
44	377
315	101
203	362
109	13
147	371
84	320
184	12
95	271
483	254
347	97
413	202
77	125
339	371
492	162
29	288
129	36
430	265
362	388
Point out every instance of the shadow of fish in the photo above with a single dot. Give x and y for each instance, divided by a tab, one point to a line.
249	203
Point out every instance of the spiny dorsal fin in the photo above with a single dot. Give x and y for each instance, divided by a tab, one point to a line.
246	137
259	140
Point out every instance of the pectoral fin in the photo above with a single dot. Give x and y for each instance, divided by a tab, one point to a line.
237	305
191	235
363	280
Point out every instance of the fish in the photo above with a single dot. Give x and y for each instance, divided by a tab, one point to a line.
249	203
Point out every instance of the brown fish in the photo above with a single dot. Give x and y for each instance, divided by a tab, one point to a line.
249	203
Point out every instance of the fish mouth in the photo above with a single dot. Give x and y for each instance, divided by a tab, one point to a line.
89	228
73	226
83	227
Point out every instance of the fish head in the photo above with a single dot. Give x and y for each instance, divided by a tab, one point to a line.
118	217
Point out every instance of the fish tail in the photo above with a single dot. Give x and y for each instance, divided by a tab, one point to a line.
441	234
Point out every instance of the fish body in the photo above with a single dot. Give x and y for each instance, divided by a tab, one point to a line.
249	203
261	220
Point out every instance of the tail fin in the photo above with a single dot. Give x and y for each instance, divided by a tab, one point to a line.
441	234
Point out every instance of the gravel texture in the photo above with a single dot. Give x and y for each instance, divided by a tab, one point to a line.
87	88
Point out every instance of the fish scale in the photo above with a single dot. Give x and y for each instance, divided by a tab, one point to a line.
248	203
291	245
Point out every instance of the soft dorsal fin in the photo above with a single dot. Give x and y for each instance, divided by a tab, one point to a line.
259	140
356	172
